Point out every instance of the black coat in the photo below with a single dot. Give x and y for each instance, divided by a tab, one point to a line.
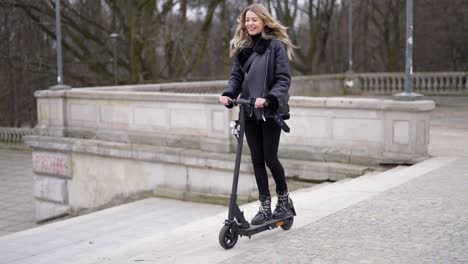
268	77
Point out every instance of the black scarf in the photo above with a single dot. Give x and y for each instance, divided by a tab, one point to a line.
259	45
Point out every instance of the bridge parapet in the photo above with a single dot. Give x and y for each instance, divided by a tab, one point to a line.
95	146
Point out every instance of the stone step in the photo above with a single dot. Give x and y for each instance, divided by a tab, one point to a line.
322	171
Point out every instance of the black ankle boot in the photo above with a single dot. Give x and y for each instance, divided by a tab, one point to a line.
284	206
264	212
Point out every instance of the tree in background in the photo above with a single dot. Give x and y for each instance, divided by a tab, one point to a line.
183	40
441	35
25	66
379	31
157	41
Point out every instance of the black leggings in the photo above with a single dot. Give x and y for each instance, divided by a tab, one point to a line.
263	140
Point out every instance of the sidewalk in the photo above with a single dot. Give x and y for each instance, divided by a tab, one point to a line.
422	221
411	214
16	191
449	126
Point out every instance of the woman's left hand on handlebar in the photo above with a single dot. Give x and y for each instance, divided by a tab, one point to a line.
259	102
224	100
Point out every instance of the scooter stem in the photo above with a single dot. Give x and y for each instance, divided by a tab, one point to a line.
235	179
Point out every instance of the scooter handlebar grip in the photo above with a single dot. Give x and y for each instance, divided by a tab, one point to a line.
246	102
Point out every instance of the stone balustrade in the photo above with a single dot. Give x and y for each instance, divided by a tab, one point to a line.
426	83
434	83
14	135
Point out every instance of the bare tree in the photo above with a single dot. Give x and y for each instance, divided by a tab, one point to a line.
380	31
143	26
24	67
309	26
441	34
177	40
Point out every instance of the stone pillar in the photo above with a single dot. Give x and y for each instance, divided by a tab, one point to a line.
52	113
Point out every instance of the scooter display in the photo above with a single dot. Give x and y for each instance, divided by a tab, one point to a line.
236	225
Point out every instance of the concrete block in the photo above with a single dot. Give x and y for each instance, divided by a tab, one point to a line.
97	180
51	189
304	173
195	119
365	130
175	176
401	132
219	124
56	111
83	112
43	108
48	210
309	126
155	117
422	136
365	156
116	115
215	145
219	182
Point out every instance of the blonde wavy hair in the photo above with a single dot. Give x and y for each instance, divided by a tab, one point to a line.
273	29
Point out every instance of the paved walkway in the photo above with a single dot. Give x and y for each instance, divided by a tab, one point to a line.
16	191
449	126
413	214
422	221
406	215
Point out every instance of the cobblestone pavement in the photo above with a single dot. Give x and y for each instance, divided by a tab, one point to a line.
422	221
16	191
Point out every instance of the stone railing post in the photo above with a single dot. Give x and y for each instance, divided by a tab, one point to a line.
352	83
52	113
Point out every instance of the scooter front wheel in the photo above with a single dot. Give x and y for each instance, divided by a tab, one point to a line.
228	237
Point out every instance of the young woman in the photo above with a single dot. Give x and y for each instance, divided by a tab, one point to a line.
267	80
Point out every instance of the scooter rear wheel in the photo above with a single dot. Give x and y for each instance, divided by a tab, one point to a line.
288	223
228	237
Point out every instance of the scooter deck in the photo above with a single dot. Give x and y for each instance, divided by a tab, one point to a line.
268	225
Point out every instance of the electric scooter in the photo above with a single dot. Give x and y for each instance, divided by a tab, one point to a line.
236	225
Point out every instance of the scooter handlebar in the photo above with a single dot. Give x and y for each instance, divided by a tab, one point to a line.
251	102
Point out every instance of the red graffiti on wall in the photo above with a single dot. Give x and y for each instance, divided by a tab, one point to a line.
51	164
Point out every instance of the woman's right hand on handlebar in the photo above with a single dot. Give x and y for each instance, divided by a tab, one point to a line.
224	100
